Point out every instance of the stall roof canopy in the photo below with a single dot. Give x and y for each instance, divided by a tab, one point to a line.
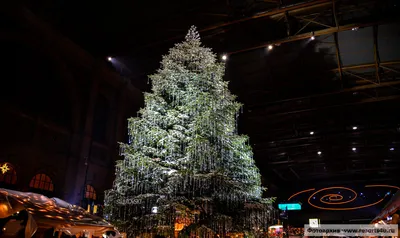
50	212
391	207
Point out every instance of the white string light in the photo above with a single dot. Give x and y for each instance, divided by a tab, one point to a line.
154	210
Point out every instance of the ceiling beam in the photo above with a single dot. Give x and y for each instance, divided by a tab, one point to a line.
326	31
352	89
319	160
273	13
279	175
310	148
294	172
293	142
347	172
369	100
366	66
376	53
336	182
270	13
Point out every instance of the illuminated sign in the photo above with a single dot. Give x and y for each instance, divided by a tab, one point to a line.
313	222
289	206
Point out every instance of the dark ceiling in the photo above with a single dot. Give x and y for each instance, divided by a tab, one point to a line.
323	86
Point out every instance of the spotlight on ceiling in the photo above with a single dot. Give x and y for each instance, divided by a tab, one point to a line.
312	37
319	152
354	149
109	58
355	128
311	133
270	47
224	57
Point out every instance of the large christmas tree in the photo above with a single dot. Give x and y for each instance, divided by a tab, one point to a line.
185	167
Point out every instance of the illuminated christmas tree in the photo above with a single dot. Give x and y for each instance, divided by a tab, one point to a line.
185	167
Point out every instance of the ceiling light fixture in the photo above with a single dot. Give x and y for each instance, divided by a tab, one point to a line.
319	152
354	149
391	149
311	133
270	47
109	59
355	128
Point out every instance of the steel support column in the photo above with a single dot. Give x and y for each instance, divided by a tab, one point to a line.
335	36
338	58
376	53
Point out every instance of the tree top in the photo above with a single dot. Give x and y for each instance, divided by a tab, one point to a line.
193	34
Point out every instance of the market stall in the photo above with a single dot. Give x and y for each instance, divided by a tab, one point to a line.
275	231
391	208
390	213
36	214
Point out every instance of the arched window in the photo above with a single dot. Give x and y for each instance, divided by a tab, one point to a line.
42	182
90	193
8	175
